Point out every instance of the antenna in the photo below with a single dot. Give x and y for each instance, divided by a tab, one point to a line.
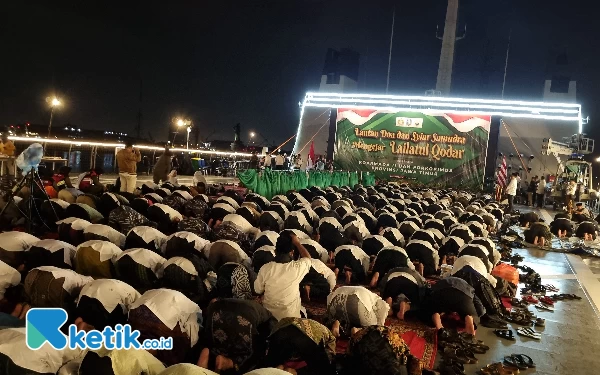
387	85
506	63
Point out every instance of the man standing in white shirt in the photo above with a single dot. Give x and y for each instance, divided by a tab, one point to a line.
279	281
267	161
511	191
279	161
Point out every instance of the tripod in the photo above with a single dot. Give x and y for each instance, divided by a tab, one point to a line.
31	180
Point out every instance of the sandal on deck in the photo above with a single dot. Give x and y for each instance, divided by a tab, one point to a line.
505	334
496	369
525	359
547	300
528	332
544	307
530	299
520	319
515	302
515	362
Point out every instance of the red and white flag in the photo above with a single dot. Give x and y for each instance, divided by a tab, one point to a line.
502	173
310	160
356	116
466	123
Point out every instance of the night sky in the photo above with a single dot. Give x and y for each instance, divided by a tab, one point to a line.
224	62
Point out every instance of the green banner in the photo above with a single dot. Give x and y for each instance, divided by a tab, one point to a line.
269	183
441	149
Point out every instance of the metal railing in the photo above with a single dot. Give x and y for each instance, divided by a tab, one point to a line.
84	155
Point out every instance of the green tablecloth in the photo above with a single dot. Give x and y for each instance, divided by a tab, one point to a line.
269	183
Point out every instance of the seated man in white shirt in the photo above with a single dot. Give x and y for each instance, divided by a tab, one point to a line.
279	281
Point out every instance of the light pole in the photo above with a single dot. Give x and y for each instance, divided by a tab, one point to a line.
179	122
252	134
187	142
54	102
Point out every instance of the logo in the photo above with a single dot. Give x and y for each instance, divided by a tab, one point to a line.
409	122
43	325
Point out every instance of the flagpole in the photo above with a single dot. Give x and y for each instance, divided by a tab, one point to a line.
387	85
506	63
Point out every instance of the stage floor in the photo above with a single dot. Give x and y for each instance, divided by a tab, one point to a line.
183	180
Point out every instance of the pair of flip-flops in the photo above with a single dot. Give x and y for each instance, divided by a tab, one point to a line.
546	300
542	306
505	334
530	299
515	302
528	332
520	361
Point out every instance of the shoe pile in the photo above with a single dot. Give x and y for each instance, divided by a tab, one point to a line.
458	349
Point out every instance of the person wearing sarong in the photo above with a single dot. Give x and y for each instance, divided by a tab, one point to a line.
235	280
16	358
587	230
197	206
104	303
145	237
453	295
352	262
125	218
403	288
70	230
353	307
235	333
103	232
302	344
165	217
318	282
191	275
386	259
167	313
95	258
50	253
538	233
194	225
13	246
140	268
13	308
425	255
561	227
49	286
235	228
377	350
